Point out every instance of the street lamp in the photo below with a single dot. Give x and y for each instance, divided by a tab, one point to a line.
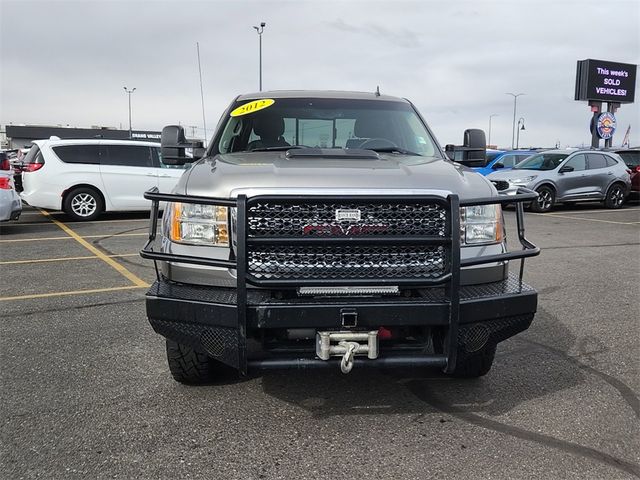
513	127
260	29
520	127
490	116
129	92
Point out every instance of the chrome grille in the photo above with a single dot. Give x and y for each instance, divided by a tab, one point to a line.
346	262
271	220
275	219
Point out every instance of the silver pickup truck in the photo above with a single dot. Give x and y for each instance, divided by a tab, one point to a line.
330	230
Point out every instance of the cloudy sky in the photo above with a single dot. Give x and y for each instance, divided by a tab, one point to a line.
66	62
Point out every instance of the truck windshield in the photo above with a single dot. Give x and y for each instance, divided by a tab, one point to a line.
542	161
275	124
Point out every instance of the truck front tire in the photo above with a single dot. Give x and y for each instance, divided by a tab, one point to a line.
476	364
193	367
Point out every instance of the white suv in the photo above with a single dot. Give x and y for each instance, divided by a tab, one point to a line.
87	177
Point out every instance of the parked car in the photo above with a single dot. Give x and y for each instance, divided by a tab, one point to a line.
85	178
505	161
571	176
10	204
631	158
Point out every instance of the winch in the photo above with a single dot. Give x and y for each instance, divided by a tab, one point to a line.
346	344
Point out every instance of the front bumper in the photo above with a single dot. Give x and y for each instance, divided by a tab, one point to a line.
223	321
206	319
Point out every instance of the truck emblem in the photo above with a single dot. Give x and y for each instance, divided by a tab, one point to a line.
351	215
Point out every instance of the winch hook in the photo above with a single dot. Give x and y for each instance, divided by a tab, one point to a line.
346	364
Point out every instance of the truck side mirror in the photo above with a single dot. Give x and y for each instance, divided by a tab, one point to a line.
475	148
173	144
473	152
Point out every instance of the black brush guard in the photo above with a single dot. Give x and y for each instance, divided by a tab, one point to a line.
450	279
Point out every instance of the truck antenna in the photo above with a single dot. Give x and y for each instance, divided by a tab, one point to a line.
377	90
204	121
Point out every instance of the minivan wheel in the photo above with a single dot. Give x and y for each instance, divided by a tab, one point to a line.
545	201
615	196
83	204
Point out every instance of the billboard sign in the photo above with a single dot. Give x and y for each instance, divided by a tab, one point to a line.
603	81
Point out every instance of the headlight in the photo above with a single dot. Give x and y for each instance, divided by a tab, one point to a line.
521	181
481	224
196	224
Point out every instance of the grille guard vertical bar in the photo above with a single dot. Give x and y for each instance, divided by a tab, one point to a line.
454	284
153	227
241	279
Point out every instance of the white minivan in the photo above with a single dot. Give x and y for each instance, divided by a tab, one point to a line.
85	178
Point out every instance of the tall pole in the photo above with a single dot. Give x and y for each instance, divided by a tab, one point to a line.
490	117
260	29
260	61
129	92
204	121
513	126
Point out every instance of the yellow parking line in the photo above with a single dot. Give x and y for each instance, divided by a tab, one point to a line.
74	292
30	224
61	259
109	261
73	238
13	240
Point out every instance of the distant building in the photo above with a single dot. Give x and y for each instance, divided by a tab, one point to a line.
19	136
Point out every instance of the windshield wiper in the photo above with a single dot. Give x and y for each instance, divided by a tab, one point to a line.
280	148
399	150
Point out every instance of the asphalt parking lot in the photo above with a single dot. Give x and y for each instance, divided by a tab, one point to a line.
86	392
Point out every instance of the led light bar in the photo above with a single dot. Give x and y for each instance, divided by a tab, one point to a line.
347	291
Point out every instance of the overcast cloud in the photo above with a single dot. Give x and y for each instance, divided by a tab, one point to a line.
66	62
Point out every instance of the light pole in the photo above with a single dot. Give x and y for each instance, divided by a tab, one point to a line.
129	92
520	127
490	116
513	127
260	29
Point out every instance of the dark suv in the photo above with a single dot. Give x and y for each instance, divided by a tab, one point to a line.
326	229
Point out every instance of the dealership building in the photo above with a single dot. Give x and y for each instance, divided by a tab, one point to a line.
19	136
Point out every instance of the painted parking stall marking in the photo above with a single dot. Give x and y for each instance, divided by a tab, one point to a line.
62	259
137	281
14	240
72	292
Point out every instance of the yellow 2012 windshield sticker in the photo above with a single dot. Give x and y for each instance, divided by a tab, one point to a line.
253	107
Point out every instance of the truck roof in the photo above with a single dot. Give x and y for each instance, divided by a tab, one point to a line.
320	94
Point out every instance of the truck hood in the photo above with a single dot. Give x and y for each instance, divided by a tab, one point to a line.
225	175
